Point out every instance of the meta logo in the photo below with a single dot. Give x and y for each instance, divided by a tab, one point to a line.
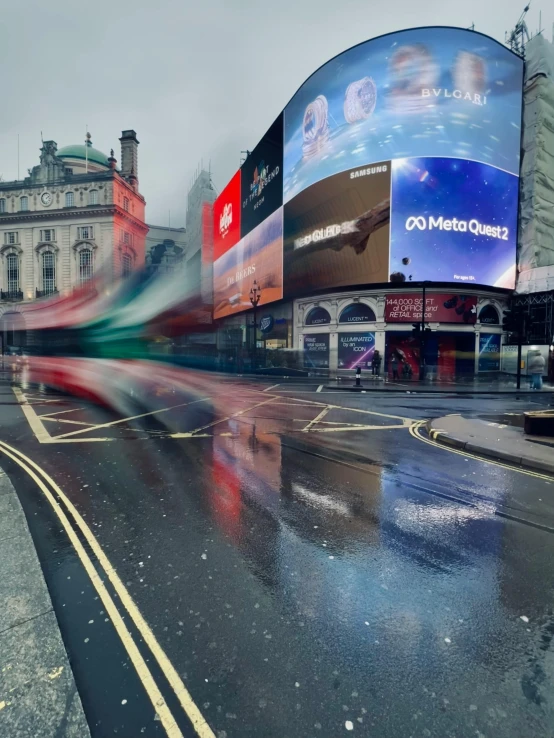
225	219
453	224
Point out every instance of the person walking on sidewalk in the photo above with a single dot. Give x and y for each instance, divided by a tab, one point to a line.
376	362
536	369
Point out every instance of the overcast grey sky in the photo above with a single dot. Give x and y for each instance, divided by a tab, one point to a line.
196	80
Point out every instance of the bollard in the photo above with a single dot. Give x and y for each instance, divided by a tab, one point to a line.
358	377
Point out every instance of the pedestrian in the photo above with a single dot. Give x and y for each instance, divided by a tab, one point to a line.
535	367
407	371
376	362
394	366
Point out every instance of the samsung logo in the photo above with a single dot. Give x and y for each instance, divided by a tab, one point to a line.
368	170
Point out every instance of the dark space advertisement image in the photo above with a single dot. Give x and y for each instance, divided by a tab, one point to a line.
420	92
262	179
453	221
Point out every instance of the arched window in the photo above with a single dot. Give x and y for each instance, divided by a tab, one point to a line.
48	272
93	197
69	200
489	315
12	268
2	204
126	265
24	203
357	312
85	265
318	316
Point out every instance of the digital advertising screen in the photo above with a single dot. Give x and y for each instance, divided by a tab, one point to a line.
355	350
226	228
336	232
398	160
454	221
445	92
258	256
262	179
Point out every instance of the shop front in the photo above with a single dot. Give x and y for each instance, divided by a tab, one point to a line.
337	333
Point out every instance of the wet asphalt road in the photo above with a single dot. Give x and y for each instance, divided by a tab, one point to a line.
315	582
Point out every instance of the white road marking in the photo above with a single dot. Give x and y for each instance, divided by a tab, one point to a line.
270	388
322	414
319	388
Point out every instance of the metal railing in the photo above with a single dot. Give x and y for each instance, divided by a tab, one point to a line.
45	293
12	295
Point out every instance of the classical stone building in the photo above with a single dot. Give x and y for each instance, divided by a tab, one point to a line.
75	213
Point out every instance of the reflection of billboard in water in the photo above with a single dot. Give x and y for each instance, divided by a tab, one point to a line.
258	256
454	221
420	92
336	232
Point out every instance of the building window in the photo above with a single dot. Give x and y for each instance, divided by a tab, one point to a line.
69	200
11	237
48	235
127	238
48	272
12	262
126	204
84	232
2	205
126	265
85	265
93	197
24	203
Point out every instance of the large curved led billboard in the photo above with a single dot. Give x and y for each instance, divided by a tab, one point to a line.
400	157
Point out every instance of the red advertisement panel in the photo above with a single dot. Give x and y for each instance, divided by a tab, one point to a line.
227	209
440	307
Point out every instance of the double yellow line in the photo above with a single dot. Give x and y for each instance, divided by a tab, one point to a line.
64	507
415	431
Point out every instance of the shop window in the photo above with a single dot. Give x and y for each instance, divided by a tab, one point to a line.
489	315
357	312
318	316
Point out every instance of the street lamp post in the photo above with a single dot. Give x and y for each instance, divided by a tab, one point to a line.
255	295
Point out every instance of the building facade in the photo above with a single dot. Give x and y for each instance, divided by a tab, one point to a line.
75	214
165	248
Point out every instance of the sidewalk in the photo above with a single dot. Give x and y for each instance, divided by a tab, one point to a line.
473	386
38	695
495	440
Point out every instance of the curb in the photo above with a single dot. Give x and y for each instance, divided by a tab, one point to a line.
37	686
492	453
416	391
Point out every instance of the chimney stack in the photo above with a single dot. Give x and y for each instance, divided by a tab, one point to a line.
129	158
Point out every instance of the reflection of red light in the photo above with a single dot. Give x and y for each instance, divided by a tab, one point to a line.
225	498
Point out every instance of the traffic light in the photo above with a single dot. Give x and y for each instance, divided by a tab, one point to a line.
513	321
